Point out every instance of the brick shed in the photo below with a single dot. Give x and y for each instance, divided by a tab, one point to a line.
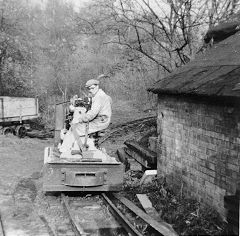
199	124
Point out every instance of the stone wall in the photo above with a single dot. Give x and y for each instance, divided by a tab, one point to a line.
199	146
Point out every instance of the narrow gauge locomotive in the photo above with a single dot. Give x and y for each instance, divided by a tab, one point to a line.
93	171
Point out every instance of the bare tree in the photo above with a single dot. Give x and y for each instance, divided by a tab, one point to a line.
165	32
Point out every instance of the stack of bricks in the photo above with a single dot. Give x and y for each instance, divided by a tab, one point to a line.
199	145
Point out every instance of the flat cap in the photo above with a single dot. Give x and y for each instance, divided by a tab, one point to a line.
92	82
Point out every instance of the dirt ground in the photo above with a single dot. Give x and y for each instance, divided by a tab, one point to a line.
20	170
21	173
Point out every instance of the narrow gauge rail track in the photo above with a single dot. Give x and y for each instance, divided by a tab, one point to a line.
100	219
76	226
77	211
128	226
126	127
83	216
97	217
155	227
80	225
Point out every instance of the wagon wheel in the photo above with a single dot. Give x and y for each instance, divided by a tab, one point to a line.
8	130
21	131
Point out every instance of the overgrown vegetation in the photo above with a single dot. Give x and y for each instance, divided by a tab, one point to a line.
187	215
49	48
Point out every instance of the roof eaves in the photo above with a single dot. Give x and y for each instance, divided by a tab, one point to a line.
196	94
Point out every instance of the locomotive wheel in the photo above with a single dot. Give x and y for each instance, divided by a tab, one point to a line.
21	131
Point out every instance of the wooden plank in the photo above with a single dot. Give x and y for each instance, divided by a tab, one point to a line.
146	153
134	165
122	155
148	207
121	218
138	158
162	227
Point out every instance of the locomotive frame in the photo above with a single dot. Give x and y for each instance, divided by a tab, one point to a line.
76	173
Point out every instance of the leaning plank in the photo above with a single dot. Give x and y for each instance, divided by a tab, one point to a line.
120	217
122	156
161	227
148	207
138	158
146	153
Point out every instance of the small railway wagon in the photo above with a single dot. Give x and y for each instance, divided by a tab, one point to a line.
15	114
93	171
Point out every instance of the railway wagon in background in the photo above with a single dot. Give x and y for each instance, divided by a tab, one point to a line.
92	171
15	114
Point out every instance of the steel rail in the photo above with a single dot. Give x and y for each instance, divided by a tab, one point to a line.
51	232
3	233
120	127
162	228
79	231
121	218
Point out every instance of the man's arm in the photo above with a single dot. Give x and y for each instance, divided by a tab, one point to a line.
92	113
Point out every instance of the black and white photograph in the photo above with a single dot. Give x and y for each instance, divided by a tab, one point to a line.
119	117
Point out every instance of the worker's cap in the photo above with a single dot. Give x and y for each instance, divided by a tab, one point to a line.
92	82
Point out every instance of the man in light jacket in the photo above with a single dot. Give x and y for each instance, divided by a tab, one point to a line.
99	116
96	119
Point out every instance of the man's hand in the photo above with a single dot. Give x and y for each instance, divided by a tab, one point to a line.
71	108
84	119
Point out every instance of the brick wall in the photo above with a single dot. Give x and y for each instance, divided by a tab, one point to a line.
199	146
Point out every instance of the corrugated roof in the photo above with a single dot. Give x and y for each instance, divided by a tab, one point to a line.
214	73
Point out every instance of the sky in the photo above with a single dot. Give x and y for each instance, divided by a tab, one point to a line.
79	3
76	3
